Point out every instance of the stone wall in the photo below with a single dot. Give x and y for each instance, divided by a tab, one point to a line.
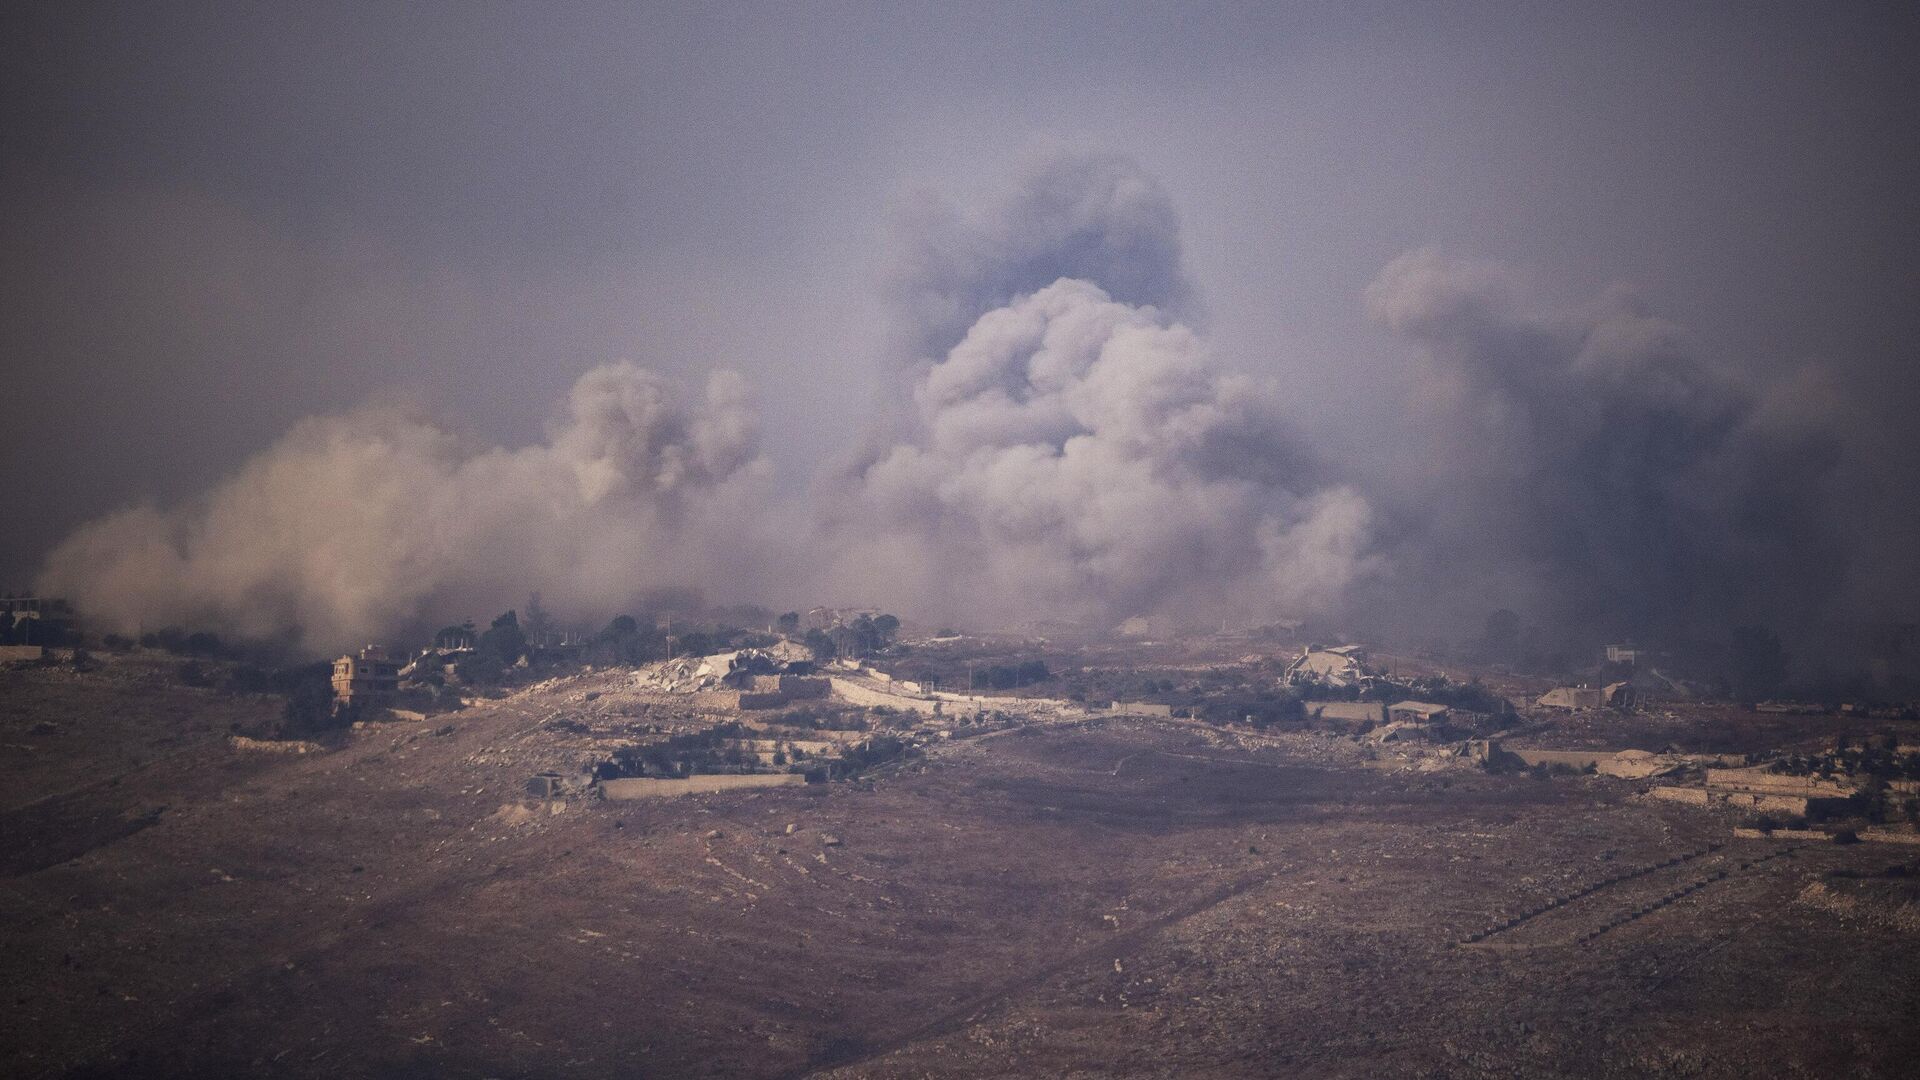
738	699
1359	711
1759	779
1573	759
793	686
1742	800
642	787
855	694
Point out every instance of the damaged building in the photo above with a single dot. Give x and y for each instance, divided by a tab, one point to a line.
1337	666
1620	695
1760	788
369	675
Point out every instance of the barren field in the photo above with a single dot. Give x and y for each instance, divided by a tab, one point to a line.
1120	898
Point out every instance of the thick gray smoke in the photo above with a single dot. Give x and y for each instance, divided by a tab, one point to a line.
1077	457
1596	469
1065	448
353	527
1094	217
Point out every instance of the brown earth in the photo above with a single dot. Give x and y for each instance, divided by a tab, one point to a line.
1116	899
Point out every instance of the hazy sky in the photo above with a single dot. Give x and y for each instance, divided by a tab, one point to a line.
224	218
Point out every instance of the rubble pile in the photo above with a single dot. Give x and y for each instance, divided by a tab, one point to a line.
721	671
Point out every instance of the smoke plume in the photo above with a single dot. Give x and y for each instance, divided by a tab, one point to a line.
1089	217
1064	449
1064	446
1078	457
1604	472
354	527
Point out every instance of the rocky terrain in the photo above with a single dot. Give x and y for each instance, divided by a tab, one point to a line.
1104	897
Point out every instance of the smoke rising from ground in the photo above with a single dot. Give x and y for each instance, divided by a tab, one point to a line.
353	527
1075	457
1089	217
1601	472
1064	446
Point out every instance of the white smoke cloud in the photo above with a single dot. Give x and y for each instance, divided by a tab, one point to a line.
1065	449
1078	457
353	526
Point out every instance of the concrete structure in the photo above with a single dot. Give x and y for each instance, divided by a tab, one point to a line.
1356	711
33	620
367	676
791	686
15	653
1139	708
1417	712
1401	731
650	788
1572	759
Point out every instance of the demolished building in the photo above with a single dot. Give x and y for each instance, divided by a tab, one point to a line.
1339	666
1618	695
1418	712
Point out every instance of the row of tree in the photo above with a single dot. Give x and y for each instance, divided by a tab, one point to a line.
864	636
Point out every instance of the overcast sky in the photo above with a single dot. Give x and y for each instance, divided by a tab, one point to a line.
224	217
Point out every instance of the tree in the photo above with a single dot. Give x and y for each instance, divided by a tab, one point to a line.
538	622
500	647
504	639
790	623
821	645
887	627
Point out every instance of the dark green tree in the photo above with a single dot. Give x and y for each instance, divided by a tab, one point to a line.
822	645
